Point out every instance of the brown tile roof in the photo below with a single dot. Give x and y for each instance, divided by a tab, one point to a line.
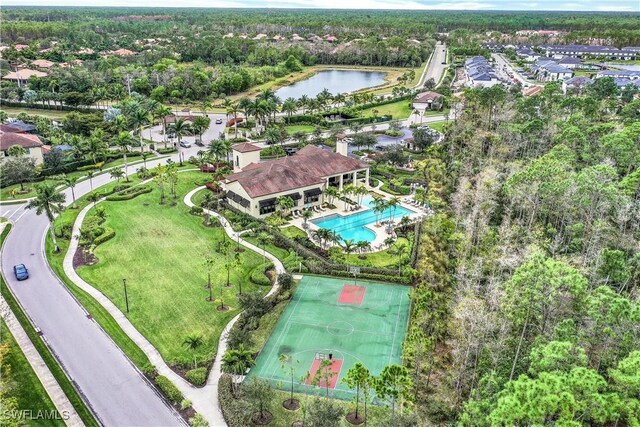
9	139
10	129
43	63
24	74
309	166
533	90
427	96
245	147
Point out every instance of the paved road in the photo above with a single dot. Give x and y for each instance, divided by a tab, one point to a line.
113	387
501	63
436	68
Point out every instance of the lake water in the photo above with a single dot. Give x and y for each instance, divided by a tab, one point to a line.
335	81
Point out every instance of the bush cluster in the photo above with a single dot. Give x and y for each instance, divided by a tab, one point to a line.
258	274
197	376
129	193
169	389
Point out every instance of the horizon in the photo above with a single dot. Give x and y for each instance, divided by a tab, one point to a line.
571	6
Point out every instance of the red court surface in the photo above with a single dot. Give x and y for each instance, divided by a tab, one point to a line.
336	366
352	294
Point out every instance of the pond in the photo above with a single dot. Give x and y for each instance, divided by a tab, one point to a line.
335	81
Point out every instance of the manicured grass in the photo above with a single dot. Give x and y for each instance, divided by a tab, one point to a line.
399	109
50	361
51	114
439	126
160	249
291	129
23	381
384	258
199	196
293	231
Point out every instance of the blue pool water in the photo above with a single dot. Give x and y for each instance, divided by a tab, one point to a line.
353	226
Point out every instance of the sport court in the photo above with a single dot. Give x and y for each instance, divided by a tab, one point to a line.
337	319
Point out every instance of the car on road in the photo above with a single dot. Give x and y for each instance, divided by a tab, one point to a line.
218	121
21	272
185	144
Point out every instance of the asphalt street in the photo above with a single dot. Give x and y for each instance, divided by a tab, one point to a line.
116	391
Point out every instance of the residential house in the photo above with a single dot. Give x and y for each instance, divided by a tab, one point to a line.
569	62
254	187
20	47
548	70
587	51
532	90
31	144
479	73
43	63
619	74
527	54
576	84
428	101
23	75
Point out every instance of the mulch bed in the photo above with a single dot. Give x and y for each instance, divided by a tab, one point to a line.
262	419
82	257
351	417
291	404
223	308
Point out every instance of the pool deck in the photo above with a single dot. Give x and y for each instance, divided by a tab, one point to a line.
342	209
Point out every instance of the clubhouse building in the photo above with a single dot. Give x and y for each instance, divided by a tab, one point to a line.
255	186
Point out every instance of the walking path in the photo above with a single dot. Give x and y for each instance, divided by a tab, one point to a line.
204	399
48	381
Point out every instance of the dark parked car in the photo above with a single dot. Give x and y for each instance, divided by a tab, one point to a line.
21	272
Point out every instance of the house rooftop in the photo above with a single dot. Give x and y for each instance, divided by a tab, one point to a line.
43	63
23	74
309	166
245	147
427	96
25	140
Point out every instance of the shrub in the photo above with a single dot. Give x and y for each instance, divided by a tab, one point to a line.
169	389
129	193
275	220
185	404
286	281
167	150
258	275
197	376
198	421
149	370
196	210
87	168
108	234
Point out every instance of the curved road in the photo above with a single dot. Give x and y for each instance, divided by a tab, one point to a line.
115	390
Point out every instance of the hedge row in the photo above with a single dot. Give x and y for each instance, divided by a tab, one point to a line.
169	389
129	194
258	274
197	376
108	234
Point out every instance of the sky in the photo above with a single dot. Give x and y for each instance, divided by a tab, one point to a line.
564	5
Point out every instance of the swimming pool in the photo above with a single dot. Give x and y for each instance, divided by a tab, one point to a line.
353	226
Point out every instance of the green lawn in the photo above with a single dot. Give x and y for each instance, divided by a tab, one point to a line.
291	129
437	125
51	114
23	383
399	109
159	249
293	231
378	259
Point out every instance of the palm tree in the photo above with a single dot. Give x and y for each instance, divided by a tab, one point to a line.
234	109
90	175
348	246
200	125
193	342
50	201
285	203
139	119
123	140
264	239
162	112
180	128
218	148
289	106
379	205
117	173
236	362
393	204
71	181
363	246
306	215
400	251
331	193
95	145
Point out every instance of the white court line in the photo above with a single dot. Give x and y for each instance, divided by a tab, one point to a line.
395	331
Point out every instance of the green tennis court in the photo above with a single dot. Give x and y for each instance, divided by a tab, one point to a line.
330	318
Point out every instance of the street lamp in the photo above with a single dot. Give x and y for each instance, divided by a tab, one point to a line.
126	297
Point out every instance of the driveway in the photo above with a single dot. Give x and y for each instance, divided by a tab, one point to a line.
112	386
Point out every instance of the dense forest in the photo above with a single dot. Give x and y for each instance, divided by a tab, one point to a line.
528	312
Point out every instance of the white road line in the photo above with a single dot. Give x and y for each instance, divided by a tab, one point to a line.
23	214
